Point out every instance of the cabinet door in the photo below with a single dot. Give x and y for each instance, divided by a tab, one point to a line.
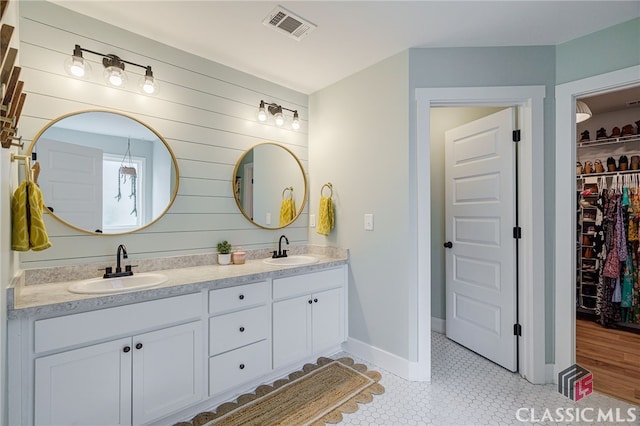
167	371
86	386
327	321
291	330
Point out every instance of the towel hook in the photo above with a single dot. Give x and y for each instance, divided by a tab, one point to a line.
284	191
327	185
27	164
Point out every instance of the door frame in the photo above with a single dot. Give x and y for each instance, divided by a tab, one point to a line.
530	100
565	224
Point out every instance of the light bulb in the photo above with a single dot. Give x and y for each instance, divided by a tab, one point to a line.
262	114
279	119
149	85
115	76
77	67
295	124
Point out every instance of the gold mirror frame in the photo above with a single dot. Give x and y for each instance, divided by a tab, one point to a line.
299	209
152	130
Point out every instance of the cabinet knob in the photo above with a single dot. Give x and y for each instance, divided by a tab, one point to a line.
241	366
138	345
241	329
241	297
126	349
310	301
315	300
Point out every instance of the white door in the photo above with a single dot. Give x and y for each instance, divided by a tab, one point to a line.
168	371
326	319
71	182
480	217
291	330
86	386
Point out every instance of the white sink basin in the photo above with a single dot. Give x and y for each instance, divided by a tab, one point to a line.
117	285
294	260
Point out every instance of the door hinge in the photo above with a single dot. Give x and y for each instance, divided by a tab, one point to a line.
517	330
517	232
516	135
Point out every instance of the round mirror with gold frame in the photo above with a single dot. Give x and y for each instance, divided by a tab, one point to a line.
104	172
270	186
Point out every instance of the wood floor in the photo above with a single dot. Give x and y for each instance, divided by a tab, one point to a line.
612	356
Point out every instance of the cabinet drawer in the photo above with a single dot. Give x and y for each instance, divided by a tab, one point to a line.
69	330
234	368
237	329
238	297
307	283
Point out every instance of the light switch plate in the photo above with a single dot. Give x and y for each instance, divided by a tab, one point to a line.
312	221
368	222
268	219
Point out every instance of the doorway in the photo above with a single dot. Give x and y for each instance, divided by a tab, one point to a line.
532	299
565	225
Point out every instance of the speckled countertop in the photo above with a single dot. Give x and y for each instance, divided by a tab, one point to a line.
53	298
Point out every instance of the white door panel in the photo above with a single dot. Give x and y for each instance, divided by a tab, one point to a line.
480	216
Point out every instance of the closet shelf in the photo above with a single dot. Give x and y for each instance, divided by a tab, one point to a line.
609	141
616	173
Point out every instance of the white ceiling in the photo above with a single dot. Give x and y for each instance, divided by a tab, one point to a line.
351	35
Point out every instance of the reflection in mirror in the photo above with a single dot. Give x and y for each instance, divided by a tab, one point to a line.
270	186
104	172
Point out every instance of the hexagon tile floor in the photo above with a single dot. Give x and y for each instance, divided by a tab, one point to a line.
467	389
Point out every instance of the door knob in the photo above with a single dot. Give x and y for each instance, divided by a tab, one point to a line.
448	244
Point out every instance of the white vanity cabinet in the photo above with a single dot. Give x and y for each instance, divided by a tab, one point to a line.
239	330
127	380
308	315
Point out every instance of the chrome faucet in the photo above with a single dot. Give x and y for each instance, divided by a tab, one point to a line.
121	253
280	252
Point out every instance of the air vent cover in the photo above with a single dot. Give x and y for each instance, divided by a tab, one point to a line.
288	23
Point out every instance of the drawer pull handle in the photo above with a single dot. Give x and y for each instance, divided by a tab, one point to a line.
241	297
126	349
241	329
241	366
315	300
138	345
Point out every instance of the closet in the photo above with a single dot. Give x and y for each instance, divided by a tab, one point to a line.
608	243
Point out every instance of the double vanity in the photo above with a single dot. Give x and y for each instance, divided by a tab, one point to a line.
170	343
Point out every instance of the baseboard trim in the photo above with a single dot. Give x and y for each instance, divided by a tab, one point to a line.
399	366
438	325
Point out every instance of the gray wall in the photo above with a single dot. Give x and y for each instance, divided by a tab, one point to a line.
359	141
499	66
205	111
608	50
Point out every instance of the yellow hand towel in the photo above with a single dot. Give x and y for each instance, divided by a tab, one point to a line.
28	230
326	219
287	211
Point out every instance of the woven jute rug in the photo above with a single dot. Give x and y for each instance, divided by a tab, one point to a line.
316	395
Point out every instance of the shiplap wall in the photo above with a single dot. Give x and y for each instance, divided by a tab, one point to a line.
204	110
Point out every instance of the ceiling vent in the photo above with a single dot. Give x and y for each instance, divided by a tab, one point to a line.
292	25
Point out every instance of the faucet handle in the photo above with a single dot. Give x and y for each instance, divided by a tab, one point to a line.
284	253
127	268
275	254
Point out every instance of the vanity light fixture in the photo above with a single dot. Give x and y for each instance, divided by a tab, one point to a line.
114	73
276	111
583	112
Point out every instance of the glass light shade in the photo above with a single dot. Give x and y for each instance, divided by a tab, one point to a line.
279	118
262	114
115	76
76	66
582	112
295	124
148	85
